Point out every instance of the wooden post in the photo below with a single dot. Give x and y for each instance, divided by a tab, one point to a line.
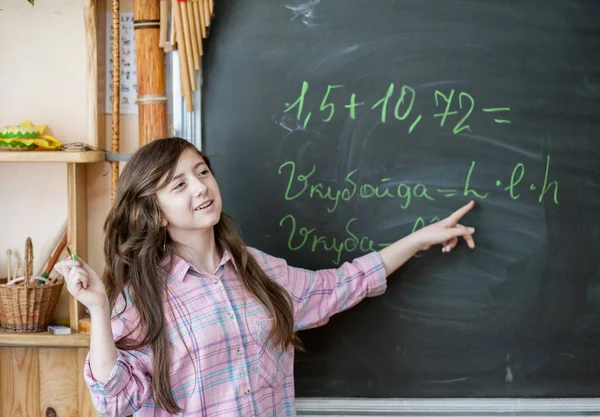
91	64
150	67
116	94
76	227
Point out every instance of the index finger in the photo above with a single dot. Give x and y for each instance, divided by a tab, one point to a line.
63	267
88	269
455	217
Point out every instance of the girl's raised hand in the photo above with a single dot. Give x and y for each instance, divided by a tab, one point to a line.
84	284
447	231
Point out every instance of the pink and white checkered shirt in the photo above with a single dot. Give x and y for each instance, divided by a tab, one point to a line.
229	368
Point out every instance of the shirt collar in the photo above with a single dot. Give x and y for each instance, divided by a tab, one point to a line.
180	267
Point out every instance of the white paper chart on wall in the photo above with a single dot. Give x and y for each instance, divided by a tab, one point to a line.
128	89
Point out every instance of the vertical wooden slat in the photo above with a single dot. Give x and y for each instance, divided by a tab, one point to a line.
116	93
206	13
200	6
200	29
91	65
172	34
86	408
77	227
164	22
187	39
150	69
194	35
19	382
186	89
59	381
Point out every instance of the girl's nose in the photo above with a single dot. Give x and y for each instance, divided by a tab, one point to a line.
200	188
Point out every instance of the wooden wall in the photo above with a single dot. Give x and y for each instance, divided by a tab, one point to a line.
36	379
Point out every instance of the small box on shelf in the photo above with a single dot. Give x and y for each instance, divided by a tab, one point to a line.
59	330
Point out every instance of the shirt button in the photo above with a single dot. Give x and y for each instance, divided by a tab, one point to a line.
247	391
240	351
215	280
230	315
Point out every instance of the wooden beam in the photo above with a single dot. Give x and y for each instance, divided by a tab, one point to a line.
76	228
44	340
90	17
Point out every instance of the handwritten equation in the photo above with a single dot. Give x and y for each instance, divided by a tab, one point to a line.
453	109
303	185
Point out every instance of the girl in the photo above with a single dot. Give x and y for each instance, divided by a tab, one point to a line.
187	320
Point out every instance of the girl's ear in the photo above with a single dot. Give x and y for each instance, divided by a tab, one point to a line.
164	222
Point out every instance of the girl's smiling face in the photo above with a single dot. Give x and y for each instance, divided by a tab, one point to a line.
191	201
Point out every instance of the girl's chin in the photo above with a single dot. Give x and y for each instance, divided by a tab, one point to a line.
208	220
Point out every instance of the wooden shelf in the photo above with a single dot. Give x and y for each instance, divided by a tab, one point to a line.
44	340
79	157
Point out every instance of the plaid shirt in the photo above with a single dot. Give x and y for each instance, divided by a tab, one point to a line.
221	361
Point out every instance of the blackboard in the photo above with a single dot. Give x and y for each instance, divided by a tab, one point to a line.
352	122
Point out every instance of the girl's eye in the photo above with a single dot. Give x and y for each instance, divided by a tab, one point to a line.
178	186
203	173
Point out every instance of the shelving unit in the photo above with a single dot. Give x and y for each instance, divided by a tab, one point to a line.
52	156
77	235
43	340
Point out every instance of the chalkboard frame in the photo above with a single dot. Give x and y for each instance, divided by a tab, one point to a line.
347	407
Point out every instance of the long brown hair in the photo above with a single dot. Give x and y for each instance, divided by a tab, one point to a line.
133	252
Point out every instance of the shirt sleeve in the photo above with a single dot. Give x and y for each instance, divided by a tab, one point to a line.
130	382
318	295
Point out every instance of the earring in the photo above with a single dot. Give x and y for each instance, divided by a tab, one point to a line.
165	240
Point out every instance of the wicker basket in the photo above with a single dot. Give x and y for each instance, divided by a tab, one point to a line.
28	306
